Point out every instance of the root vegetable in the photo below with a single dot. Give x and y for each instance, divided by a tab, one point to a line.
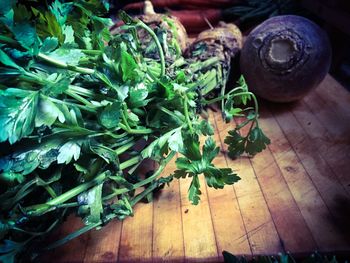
285	57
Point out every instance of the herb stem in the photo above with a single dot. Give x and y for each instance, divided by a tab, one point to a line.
43	208
124	148
79	98
159	46
91	51
187	115
124	114
85	108
135	131
148	180
61	64
82	91
165	110
130	162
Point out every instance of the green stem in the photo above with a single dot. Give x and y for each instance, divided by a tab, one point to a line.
143	182
169	113
111	216
135	131
187	115
82	107
79	98
124	148
75	234
159	46
144	193
130	162
82	91
43	208
91	51
61	64
221	97
124	114
115	136
201	65
74	129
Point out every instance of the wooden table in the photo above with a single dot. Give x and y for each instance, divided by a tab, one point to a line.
295	196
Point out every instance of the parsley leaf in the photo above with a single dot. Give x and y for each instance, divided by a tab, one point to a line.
190	167
47	113
7	61
110	115
236	144
253	143
256	141
68	151
18	109
194	191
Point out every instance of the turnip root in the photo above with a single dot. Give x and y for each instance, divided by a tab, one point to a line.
285	57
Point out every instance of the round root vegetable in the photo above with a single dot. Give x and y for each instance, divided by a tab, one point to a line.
285	57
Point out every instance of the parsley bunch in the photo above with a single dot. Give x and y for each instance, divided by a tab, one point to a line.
81	110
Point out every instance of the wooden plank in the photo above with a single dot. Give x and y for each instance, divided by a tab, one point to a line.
198	231
335	97
103	244
167	222
262	234
326	161
336	125
334	150
74	250
327	122
136	236
324	178
284	210
228	223
308	198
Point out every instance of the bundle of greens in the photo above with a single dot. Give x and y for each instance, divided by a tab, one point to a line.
81	110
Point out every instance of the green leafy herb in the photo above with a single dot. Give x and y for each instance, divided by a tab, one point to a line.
81	110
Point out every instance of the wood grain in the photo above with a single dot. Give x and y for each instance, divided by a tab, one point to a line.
307	196
283	208
198	231
226	214
294	196
261	231
136	239
103	244
168	244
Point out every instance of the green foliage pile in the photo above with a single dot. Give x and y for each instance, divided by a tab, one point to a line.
81	110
